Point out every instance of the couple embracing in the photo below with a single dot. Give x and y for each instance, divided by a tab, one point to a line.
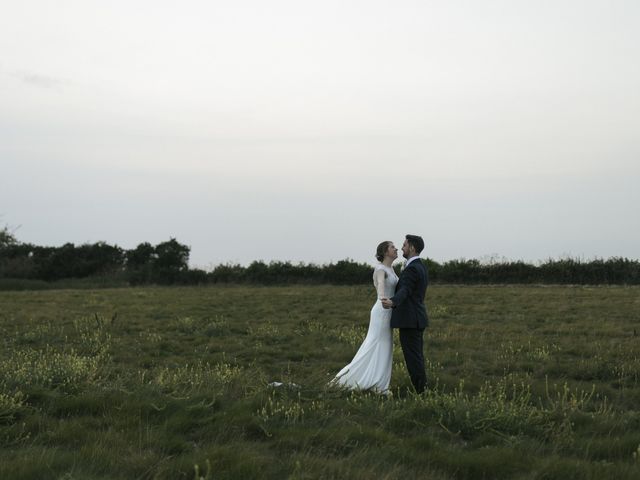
400	304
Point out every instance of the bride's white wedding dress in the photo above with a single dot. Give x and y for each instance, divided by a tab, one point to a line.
371	366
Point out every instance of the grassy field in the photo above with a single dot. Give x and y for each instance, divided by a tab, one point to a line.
526	382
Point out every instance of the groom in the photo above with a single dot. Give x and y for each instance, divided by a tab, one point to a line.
409	314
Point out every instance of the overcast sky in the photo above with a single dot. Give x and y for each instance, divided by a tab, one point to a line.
311	131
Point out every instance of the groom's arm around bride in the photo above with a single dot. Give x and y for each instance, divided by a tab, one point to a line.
408	283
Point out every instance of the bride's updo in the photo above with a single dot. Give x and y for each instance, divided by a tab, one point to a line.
382	249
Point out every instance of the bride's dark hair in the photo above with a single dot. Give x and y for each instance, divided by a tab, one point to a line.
382	249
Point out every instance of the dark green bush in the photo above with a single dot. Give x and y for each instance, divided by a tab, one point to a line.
168	264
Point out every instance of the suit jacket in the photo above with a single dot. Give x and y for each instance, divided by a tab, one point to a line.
409	310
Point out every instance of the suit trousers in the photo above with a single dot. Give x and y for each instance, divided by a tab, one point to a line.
411	340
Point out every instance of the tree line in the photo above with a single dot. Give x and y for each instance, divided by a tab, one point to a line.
167	263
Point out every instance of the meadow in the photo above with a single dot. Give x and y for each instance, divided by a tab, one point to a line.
526	382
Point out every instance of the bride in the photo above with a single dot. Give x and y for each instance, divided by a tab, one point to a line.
371	366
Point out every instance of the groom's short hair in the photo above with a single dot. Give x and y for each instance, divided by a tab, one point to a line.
416	242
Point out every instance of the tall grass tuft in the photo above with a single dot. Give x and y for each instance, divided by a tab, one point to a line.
68	371
11	404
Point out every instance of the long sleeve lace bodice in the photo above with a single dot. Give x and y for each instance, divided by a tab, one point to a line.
384	281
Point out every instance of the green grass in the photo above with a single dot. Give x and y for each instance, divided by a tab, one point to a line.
527	382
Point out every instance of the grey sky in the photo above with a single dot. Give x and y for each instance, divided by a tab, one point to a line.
311	131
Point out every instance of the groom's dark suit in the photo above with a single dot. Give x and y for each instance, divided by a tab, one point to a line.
409	315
